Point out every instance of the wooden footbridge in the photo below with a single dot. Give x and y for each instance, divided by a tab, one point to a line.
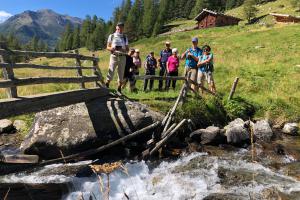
16	105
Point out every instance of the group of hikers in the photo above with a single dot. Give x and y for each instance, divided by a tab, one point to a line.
199	64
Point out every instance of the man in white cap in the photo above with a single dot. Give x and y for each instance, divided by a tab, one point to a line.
164	56
117	44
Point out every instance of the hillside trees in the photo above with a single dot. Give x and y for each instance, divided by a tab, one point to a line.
250	10
296	4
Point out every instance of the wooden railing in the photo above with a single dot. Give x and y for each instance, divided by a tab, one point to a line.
16	105
11	82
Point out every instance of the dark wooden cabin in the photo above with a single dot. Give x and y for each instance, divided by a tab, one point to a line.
282	18
208	18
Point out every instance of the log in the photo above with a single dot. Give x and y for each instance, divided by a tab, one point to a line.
175	107
233	88
45	54
79	70
19	158
105	147
34	66
45	80
8	74
165	140
164	134
37	103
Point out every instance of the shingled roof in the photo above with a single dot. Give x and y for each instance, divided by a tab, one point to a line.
205	11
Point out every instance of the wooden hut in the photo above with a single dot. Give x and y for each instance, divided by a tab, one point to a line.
283	18
208	18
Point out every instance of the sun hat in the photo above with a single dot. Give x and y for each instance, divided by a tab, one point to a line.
175	50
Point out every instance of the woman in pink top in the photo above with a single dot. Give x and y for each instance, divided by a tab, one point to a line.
172	68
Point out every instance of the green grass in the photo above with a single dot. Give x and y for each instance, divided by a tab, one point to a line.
279	6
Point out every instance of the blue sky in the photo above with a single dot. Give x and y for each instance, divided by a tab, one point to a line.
76	8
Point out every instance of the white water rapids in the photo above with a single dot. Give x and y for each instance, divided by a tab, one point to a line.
193	176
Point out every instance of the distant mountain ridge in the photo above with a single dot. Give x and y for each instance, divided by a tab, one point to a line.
46	24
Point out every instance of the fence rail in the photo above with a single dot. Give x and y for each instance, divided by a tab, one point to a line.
34	66
34	54
11	82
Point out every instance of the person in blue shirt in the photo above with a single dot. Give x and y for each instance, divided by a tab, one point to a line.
150	66
206	68
162	61
191	56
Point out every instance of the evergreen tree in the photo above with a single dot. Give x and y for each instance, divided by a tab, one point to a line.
149	17
199	6
296	4
249	10
125	9
76	38
134	17
162	17
86	29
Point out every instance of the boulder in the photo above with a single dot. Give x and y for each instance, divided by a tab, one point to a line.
263	131
6	126
79	127
237	132
290	129
19	125
210	136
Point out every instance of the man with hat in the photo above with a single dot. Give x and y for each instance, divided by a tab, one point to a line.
117	44
164	56
191	56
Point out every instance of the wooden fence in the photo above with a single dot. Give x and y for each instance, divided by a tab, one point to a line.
16	105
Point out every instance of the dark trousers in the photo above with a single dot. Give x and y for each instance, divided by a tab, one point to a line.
168	82
162	71
150	72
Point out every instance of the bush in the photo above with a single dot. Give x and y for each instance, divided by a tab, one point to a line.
238	108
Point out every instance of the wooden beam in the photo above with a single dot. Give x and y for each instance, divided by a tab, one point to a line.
79	70
33	66
233	88
105	147
44	80
8	75
23	105
153	77
45	54
167	137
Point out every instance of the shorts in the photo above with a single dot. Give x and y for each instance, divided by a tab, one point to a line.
192	73
202	76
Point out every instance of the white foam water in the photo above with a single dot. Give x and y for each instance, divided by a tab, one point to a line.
167	182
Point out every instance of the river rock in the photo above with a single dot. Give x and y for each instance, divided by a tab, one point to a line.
262	130
237	132
290	129
79	127
19	125
6	126
210	136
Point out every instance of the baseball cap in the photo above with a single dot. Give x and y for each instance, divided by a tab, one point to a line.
137	50
195	39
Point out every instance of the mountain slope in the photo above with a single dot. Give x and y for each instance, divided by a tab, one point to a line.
45	24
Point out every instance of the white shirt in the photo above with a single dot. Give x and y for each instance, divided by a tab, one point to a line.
118	39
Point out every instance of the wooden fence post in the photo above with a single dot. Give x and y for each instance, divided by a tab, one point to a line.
233	88
79	70
8	74
97	71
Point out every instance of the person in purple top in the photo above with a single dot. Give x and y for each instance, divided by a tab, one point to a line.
162	61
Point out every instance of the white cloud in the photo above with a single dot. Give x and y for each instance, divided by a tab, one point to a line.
4	16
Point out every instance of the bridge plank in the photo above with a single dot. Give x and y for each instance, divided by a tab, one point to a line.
44	80
22	105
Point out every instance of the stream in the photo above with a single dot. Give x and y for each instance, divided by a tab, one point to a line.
213	174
